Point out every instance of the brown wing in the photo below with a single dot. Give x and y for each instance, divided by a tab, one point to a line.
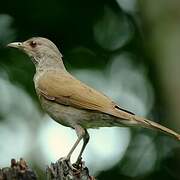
65	89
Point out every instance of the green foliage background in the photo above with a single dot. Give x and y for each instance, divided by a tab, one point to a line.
89	33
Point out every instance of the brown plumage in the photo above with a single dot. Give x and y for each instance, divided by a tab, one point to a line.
71	102
67	90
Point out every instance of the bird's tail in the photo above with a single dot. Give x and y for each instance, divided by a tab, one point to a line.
152	125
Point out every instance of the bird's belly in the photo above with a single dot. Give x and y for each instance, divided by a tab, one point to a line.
70	116
64	115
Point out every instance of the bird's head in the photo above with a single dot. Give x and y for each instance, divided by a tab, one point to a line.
41	50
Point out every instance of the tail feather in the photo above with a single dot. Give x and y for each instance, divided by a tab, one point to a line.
152	125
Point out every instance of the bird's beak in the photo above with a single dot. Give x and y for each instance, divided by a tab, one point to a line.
18	45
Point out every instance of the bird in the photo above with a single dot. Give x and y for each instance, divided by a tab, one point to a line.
71	102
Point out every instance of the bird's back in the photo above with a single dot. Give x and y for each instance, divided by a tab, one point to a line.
63	88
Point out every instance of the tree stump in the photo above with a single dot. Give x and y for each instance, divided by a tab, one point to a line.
63	170
60	170
18	171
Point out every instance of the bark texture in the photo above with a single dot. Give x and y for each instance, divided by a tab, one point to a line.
63	170
60	170
17	171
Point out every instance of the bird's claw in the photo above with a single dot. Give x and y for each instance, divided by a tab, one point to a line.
75	167
78	164
68	163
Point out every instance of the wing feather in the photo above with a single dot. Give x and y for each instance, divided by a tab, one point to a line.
64	89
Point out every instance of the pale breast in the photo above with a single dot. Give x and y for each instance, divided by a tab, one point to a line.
37	76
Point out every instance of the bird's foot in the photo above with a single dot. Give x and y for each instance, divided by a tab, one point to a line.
63	169
78	164
68	163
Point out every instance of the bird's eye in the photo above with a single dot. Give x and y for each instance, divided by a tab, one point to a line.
33	44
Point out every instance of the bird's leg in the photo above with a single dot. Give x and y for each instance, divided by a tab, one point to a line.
80	133
85	141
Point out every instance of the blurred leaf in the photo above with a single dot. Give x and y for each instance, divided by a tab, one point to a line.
7	33
128	5
82	57
112	30
141	156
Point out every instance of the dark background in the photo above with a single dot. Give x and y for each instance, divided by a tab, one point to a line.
90	34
